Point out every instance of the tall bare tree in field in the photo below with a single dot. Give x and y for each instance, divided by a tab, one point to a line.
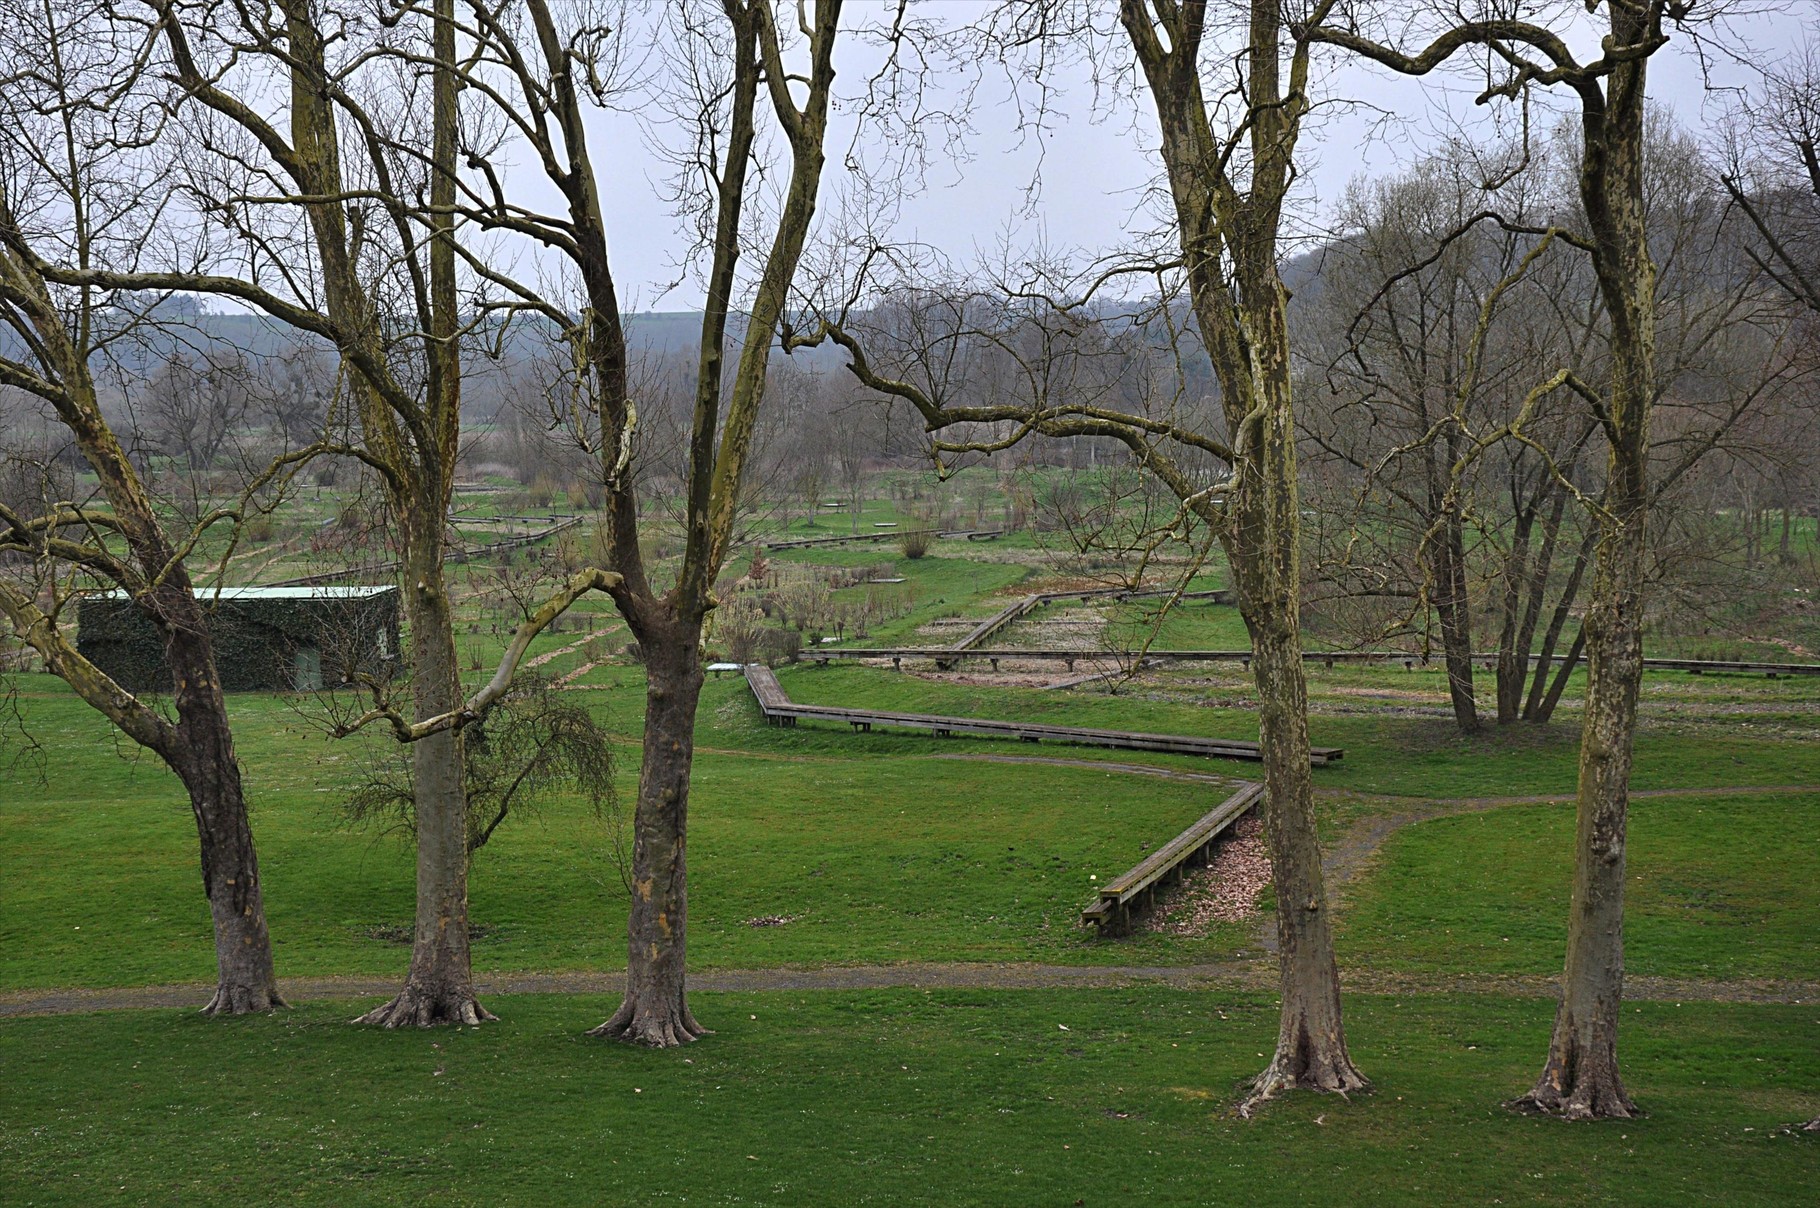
1229	118
338	198
753	74
1580	1078
74	190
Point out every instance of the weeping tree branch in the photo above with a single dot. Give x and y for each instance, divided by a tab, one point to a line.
475	707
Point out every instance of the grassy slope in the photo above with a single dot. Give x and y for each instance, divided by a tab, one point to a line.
883	850
907	858
1413	756
892	1098
1718	888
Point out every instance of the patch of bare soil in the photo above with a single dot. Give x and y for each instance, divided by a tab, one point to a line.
1057	628
1006	678
557	653
1225	891
947	629
1794	648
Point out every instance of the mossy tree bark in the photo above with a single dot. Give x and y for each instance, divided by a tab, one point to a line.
668	625
125	544
1580	1078
655	1011
1228	239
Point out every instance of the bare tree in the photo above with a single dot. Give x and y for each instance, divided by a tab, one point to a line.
543	69
1227	185
1580	1078
73	190
377	239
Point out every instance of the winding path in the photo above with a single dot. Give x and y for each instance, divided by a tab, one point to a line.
1247	976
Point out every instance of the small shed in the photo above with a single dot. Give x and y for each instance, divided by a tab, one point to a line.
267	639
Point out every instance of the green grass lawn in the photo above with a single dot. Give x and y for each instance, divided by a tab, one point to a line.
1407	756
892	1097
912	857
880	849
1716	887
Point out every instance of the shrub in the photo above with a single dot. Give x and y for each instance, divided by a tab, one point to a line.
914	543
779	646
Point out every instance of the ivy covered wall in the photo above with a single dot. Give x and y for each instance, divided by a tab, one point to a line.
274	642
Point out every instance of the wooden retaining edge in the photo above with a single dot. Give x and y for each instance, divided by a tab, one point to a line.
886	535
1094	677
1028	604
778	709
1134	891
947	656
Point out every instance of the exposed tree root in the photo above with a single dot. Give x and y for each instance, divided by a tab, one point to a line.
1590	1099
1300	1069
232	999
416	1008
1580	1080
664	1028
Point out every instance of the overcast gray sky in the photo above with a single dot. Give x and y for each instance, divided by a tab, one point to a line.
1095	165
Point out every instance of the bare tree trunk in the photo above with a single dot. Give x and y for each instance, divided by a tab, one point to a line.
1580	1077
1311	1047
440	986
204	760
1540	706
1454	610
1512	660
1534	594
1545	711
1263	546
655	1011
1228	238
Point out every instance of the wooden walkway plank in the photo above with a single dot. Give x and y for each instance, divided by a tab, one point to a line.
778	709
949	655
1123	895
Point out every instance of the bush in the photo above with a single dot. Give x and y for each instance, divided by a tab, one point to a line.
914	543
779	646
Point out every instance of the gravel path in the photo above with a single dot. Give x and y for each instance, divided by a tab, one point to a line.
1239	976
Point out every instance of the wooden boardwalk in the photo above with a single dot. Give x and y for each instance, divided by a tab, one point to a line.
882	535
780	710
1134	891
946	657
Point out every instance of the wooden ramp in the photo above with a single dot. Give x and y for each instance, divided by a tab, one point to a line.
1134	891
780	710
